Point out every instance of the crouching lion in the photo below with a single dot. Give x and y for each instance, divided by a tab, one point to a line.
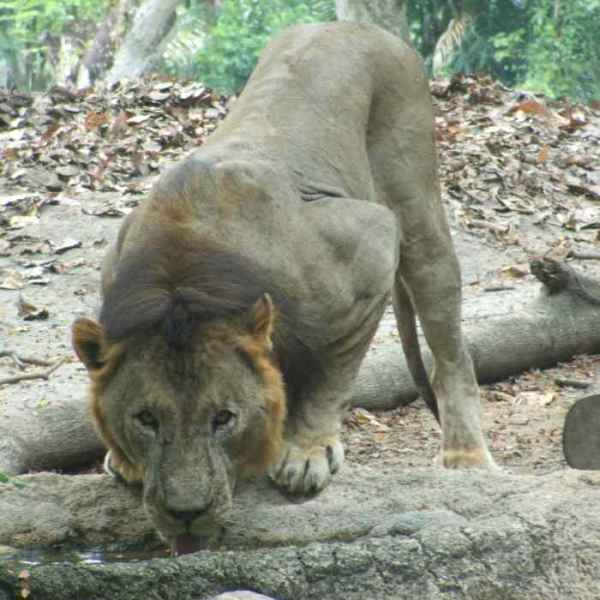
240	299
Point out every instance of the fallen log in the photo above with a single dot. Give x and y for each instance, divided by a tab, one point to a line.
424	533
51	430
508	331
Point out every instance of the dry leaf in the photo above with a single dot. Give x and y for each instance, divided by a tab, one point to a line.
20	221
529	106
29	312
4	248
364	417
95	120
67	244
137	119
11	280
497	396
516	271
546	399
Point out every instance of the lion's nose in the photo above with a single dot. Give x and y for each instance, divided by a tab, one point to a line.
188	516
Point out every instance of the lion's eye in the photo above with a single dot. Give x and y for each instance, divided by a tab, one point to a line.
148	420
222	418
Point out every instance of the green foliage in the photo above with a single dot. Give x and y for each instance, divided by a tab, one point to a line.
495	43
542	45
563	54
4	478
187	39
28	29
31	17
242	30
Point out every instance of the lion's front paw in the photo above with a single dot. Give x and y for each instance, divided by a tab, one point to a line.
307	469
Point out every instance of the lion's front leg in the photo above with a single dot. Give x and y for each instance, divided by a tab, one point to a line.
307	462
311	452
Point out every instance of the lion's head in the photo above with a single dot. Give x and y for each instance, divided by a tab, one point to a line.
186	401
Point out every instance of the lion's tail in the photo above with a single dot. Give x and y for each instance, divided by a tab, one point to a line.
407	327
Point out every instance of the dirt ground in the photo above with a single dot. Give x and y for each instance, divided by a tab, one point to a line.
523	416
50	256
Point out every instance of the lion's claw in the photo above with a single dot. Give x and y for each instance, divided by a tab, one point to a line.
307	470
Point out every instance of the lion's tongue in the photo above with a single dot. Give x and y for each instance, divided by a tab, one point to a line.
185	544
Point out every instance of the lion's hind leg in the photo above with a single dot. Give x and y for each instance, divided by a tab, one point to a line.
435	292
403	160
429	271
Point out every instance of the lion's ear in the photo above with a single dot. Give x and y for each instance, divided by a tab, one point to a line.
261	318
88	343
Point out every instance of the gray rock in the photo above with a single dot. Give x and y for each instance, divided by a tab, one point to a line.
241	595
377	535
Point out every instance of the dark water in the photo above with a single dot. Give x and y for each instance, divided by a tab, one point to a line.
88	556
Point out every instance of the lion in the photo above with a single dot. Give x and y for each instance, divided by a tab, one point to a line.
241	297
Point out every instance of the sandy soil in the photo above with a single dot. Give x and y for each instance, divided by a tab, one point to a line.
523	416
521	179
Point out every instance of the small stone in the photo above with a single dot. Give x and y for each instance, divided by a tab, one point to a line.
241	595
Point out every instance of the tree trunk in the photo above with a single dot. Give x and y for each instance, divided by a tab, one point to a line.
424	533
388	14
66	60
142	45
508	332
99	55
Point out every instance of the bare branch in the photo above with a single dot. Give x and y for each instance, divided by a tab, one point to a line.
37	375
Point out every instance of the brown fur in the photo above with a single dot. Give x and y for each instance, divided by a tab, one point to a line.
254	453
85	332
241	298
176	267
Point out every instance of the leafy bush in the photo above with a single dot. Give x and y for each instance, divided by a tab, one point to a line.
241	32
4	478
541	45
563	53
187	39
29	28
